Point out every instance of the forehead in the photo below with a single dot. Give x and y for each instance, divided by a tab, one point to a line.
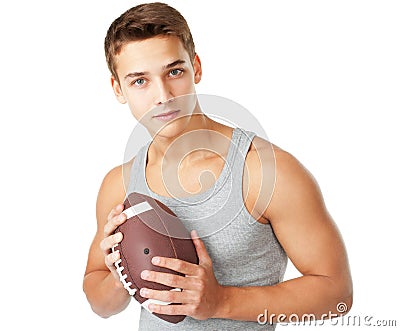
150	54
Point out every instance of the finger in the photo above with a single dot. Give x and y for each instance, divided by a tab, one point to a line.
201	250
181	266
107	243
113	223
174	296
115	211
110	259
185	309
171	280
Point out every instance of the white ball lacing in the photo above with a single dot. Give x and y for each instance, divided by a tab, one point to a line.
122	277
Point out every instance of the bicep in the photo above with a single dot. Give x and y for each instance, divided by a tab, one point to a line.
111	193
302	223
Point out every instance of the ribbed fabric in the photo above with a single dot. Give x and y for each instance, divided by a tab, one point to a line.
244	252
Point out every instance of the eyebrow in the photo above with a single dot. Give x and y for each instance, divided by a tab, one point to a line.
143	73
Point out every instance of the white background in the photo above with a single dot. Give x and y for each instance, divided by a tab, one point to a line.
322	77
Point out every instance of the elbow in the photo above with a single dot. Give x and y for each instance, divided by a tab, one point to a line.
96	308
100	312
344	298
105	306
343	306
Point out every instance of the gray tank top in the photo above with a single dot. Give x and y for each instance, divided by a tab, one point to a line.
244	252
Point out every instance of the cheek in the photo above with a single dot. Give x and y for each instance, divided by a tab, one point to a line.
183	86
138	105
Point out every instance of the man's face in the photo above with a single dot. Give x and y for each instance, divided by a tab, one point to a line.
152	74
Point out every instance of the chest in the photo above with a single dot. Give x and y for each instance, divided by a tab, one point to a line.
184	179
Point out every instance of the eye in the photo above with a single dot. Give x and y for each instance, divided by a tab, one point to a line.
175	72
139	82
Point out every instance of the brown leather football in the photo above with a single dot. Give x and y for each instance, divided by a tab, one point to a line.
151	229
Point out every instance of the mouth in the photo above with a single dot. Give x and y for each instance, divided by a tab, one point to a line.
167	116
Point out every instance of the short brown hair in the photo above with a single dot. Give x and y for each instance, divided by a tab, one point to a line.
142	22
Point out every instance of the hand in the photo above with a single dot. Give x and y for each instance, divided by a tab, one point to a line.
114	219
201	295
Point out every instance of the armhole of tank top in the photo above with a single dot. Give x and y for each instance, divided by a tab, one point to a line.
252	221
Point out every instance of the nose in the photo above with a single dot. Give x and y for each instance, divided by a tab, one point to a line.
162	93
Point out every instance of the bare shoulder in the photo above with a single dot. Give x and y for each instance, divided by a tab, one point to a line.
113	189
295	188
260	148
273	177
288	165
263	152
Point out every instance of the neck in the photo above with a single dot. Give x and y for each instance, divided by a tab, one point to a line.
193	142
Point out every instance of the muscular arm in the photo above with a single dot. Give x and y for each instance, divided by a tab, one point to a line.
101	285
311	240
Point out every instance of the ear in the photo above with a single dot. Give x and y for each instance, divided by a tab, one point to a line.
117	90
197	69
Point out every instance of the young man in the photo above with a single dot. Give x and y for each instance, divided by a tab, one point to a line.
266	218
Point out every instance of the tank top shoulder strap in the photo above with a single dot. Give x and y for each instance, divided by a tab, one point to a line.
137	174
241	142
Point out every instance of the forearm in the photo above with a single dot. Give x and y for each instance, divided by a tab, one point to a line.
105	294
311	294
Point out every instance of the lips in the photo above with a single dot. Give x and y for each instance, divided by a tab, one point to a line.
167	116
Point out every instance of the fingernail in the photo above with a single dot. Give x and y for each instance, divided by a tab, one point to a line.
155	260
144	274
143	292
